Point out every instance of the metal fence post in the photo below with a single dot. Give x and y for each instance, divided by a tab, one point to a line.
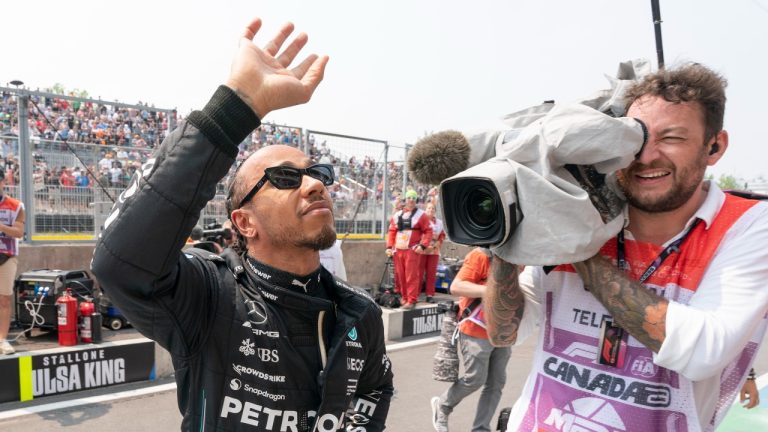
25	162
405	170
385	192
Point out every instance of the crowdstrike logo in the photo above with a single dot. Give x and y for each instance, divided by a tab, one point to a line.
240	369
586	415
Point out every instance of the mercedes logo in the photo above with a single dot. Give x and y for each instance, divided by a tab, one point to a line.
257	312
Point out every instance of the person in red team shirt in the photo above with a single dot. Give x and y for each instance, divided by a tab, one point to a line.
432	253
409	236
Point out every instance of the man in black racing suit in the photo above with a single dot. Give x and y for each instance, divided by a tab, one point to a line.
266	340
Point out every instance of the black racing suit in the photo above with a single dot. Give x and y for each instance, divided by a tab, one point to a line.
237	363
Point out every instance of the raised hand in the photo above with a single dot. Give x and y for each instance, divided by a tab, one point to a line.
261	77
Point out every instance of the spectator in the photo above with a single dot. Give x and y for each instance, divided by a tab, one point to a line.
432	254
484	365
408	237
11	230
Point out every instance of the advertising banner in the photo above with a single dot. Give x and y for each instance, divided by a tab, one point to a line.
27	376
421	321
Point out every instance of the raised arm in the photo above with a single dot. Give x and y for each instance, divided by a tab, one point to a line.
504	303
138	257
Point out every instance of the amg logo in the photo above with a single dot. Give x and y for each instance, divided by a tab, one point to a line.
267	333
649	395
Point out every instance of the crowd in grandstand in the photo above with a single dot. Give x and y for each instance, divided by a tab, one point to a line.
113	140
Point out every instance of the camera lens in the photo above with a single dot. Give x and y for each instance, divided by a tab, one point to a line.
481	208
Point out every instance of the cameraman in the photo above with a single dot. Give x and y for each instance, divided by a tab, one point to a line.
658	330
484	364
197	241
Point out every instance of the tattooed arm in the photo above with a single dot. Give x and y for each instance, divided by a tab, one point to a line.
635	308
503	302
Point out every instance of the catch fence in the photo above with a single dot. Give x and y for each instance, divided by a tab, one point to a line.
68	185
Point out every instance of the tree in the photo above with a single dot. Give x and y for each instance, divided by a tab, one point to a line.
60	89
728	182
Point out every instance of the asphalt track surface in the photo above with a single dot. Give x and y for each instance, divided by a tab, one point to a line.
156	410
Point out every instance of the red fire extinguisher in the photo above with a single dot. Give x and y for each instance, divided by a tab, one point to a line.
86	330
67	313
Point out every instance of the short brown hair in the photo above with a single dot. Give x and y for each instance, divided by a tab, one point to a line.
692	82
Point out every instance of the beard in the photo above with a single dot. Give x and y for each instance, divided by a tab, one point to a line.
324	240
298	238
685	183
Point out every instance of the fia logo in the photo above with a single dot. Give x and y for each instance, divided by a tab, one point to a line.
248	347
352	335
644	367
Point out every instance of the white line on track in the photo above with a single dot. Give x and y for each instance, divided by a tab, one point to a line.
86	400
5	415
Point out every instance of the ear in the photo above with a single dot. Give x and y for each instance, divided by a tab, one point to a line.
722	144
245	222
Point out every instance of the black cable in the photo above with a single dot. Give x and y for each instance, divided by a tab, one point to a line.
656	12
66	143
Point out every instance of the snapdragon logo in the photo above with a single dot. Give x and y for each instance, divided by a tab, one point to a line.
586	415
235	384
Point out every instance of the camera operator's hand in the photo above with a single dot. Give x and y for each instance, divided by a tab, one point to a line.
262	78
388	252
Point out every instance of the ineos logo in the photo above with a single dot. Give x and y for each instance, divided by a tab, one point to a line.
257	312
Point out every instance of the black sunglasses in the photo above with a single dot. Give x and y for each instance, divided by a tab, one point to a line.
287	177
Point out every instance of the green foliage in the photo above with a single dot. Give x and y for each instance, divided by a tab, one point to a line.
58	88
729	182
